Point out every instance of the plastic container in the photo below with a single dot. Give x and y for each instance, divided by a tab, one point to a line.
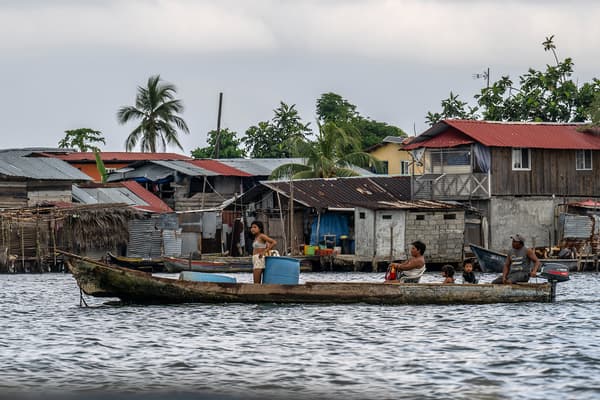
309	250
204	277
281	271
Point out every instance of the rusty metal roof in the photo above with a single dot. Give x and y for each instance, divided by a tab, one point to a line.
448	133
368	192
219	167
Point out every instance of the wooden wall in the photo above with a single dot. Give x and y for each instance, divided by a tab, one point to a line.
552	172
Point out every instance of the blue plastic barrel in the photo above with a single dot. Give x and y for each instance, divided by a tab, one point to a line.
281	270
204	277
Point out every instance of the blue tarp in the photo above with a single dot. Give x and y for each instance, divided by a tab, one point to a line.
330	224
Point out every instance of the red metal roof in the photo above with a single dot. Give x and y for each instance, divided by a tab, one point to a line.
219	167
507	134
119	156
154	203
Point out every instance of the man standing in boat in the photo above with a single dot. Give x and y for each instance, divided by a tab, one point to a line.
517	267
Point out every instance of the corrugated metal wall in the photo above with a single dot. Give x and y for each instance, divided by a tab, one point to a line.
145	238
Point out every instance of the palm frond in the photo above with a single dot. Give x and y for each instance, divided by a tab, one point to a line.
288	170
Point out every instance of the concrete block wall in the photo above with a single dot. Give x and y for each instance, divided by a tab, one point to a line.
443	236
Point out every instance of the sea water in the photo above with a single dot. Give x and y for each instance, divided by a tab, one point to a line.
50	346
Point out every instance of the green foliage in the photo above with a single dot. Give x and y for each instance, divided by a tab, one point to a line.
332	154
100	165
550	96
452	107
331	107
229	146
81	139
156	108
271	139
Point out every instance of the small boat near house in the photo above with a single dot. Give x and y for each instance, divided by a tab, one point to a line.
100	280
493	261
138	263
177	264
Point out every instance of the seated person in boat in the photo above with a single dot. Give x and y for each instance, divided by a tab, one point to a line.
468	274
411	269
261	247
518	265
448	273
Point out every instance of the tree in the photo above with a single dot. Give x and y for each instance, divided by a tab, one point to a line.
549	96
229	146
81	139
332	107
156	108
452	107
271	139
333	154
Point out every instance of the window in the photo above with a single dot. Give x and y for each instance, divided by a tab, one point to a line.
386	217
404	168
583	160
383	170
521	159
420	218
449	216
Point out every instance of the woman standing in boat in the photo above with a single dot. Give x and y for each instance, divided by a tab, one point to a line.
261	247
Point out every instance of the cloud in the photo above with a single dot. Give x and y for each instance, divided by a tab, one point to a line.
452	32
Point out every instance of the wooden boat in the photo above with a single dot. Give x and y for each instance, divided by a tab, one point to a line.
489	260
493	261
101	280
176	264
139	263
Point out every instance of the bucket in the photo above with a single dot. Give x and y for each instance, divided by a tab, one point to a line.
204	277
309	250
281	271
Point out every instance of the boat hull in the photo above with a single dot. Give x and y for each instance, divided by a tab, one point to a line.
493	261
137	263
136	287
174	264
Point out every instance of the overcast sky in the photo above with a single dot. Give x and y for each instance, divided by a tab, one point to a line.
68	64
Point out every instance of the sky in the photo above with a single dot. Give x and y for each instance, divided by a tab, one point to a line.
69	64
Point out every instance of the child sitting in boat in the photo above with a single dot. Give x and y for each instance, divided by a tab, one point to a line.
468	274
448	273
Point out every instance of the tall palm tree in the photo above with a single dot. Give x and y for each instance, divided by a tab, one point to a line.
333	154
156	108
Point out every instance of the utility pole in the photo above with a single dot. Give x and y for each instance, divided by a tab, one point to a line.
217	145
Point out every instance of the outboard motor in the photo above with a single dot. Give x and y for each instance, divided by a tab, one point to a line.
554	273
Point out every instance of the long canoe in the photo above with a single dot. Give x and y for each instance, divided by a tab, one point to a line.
139	263
176	264
130	286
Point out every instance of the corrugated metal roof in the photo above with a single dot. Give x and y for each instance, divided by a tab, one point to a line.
219	167
16	163
511	134
130	193
185	167
365	192
265	166
119	156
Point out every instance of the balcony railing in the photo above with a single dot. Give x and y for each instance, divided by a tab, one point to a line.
452	186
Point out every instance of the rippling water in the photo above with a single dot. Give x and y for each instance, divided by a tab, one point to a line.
51	345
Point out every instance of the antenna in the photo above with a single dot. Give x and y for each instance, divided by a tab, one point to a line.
484	75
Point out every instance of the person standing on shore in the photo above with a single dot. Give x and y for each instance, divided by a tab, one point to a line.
261	247
517	267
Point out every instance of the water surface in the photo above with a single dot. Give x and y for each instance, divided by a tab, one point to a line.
51	345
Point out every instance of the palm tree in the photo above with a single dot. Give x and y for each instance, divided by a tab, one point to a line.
333	154
156	108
